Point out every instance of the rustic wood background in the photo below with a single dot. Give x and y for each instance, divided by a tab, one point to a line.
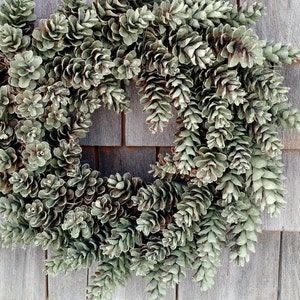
119	143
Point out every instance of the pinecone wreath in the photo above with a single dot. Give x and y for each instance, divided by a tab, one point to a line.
197	58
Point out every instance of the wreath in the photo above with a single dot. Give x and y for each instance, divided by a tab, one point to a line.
197	59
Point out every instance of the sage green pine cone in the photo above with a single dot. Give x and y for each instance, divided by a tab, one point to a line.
12	40
49	37
26	70
18	13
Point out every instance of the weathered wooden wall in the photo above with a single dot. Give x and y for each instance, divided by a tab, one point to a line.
126	144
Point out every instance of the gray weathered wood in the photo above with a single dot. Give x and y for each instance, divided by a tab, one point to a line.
257	280
288	219
290	275
135	290
71	286
137	131
135	160
43	9
106	129
292	78
282	24
21	274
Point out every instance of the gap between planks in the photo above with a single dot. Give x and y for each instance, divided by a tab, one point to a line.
280	266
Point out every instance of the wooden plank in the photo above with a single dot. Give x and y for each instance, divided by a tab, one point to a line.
43	9
290	275
135	289
106	129
292	78
257	280
288	219
71	286
21	274
282	24
135	160
137	131
88	156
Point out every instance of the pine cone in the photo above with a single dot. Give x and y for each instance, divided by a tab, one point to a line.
97	55
87	184
171	13
12	40
66	156
126	65
36	155
24	183
157	56
26	70
106	209
190	49
227	83
49	37
7	136
205	13
210	166
236	45
81	25
245	15
79	222
36	214
8	160
18	14
122	187
29	105
194	204
157	101
112	95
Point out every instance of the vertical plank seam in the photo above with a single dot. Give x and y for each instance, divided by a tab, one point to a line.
279	281
87	280
46	279
123	130
96	157
157	151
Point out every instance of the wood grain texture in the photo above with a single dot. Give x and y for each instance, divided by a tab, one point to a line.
257	280
43	9
106	129
290	275
288	219
291	74
135	290
137	131
282	24
135	160
71	286
21	275
88	156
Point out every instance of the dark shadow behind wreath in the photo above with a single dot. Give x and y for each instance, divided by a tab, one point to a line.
198	58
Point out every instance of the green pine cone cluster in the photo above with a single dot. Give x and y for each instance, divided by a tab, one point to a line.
197	60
